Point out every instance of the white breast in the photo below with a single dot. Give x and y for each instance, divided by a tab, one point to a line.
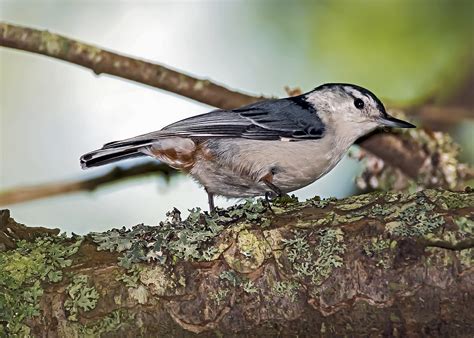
295	164
241	164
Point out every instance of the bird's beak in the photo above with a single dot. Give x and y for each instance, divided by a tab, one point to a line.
390	121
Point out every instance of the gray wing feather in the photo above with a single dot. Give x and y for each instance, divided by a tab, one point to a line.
265	120
292	118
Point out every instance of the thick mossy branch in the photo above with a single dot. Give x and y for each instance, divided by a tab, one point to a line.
378	264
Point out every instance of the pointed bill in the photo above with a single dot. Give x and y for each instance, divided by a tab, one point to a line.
390	121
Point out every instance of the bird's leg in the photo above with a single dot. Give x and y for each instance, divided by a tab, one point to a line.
267	201
273	188
210	200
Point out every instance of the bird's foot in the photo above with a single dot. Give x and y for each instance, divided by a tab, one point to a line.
268	198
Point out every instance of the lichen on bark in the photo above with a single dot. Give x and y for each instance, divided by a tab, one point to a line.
354	266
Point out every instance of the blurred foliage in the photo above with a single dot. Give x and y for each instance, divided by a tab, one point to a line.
406	51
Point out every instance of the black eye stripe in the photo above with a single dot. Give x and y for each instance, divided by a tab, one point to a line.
359	104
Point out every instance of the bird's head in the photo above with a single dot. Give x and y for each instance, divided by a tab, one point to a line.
353	108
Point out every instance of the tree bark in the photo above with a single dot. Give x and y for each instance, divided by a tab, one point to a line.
381	264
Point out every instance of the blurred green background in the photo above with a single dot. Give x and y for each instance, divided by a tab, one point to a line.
52	112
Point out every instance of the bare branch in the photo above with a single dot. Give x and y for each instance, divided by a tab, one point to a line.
28	193
444	114
101	61
412	157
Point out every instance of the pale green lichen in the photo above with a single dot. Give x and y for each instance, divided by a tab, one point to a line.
211	253
379	249
286	289
157	280
112	322
274	239
230	277
466	257
139	293
249	287
219	296
252	210
416	218
357	201
185	240
450	200
136	290
192	239
318	260
321	203
248	252
326	219
330	253
284	204
380	210
82	296
131	277
347	218
21	272
465	225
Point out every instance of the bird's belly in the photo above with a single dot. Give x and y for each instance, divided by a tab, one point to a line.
235	168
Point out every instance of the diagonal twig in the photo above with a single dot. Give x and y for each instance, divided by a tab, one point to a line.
28	193
101	61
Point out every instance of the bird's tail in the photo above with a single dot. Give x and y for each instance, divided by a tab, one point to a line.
115	151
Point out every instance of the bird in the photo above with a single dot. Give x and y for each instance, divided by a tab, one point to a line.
267	148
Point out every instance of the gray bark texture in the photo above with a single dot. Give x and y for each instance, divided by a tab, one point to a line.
379	264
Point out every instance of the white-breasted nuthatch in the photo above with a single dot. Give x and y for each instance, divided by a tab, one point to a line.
272	146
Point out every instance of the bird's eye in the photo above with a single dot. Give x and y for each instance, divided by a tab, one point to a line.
358	103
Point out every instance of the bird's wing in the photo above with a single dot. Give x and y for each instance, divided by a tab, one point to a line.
290	118
274	119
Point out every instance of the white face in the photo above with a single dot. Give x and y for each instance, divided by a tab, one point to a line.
352	108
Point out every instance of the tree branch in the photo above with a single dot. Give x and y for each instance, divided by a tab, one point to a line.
435	114
101	61
413	157
28	193
380	264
